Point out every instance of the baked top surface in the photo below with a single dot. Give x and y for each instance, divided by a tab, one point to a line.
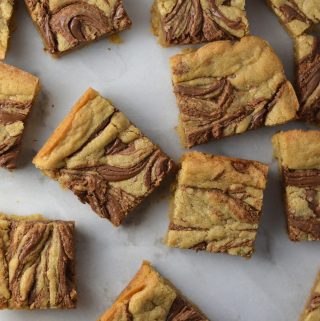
67	24
297	15
37	259
150	297
226	88
217	204
103	158
6	11
208	20
17	93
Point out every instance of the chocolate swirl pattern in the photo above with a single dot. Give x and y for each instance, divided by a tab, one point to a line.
149	286
195	21
114	168
76	23
214	104
37	264
220	213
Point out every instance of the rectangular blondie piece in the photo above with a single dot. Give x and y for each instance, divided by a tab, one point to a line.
17	93
311	311
298	153
150	297
226	88
6	12
103	158
307	57
37	263
297	16
66	25
194	21
217	204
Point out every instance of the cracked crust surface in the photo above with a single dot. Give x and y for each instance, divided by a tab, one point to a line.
307	58
195	21
67	24
296	15
312	309
226	88
18	90
150	297
217	204
37	263
298	153
103	158
6	12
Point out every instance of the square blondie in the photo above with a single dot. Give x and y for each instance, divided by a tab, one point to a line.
18	91
311	311
66	25
37	263
217	204
107	162
150	297
6	12
298	153
229	87
297	16
177	22
307	57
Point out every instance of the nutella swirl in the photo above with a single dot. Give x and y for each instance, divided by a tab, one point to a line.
292	13
301	178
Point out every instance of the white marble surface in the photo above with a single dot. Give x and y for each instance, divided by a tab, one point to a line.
273	285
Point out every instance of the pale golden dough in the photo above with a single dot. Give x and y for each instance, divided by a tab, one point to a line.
297	149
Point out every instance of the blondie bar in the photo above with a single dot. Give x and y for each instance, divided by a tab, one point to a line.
103	158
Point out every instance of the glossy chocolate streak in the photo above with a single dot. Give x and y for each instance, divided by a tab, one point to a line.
290	13
309	72
181	310
313	203
301	178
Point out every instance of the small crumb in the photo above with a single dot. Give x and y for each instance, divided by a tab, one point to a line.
109	49
52	106
115	39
